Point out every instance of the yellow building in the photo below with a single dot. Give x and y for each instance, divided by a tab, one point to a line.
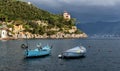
18	28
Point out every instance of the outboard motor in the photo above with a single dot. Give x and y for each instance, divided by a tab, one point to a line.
23	46
51	46
39	46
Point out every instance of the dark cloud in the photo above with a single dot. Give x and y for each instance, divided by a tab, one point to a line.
58	3
83	10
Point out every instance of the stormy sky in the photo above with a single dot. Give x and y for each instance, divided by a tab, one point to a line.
83	10
57	3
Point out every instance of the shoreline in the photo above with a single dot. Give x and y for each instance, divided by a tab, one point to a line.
38	38
70	37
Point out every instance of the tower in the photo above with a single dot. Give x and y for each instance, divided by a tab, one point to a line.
66	16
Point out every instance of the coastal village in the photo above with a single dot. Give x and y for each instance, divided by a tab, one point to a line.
17	32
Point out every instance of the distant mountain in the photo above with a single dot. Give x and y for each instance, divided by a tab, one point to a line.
101	27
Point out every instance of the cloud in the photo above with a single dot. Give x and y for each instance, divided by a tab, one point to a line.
59	3
50	3
83	10
92	2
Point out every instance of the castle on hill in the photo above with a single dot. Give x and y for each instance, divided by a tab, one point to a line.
66	16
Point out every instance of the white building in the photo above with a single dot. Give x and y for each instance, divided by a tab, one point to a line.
4	33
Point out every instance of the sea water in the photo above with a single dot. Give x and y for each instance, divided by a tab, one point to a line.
102	55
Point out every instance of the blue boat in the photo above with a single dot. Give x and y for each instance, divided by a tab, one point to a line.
38	51
77	51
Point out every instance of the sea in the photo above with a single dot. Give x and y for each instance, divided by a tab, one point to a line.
102	55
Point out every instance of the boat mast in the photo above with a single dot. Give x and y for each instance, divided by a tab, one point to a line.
26	41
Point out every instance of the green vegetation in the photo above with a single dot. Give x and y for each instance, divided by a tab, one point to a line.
16	10
78	32
24	14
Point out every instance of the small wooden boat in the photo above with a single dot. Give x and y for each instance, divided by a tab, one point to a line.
37	52
78	51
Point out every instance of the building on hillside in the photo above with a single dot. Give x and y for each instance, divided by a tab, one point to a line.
18	30
4	33
66	16
74	28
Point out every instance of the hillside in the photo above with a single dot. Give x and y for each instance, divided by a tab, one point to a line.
34	20
21	10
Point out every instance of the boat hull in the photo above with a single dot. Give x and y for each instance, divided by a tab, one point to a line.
75	52
73	55
38	52
33	53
